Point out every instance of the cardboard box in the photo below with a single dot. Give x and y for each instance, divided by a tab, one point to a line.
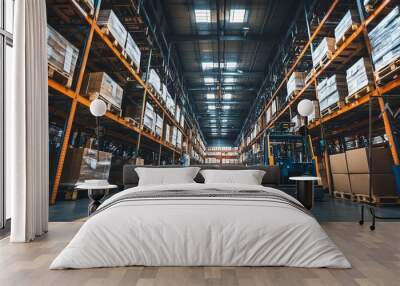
383	185
338	163
112	25
357	161
341	183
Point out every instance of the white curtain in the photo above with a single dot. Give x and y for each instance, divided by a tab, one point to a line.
27	124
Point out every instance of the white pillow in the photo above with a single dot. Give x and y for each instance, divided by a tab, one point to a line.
248	177
166	176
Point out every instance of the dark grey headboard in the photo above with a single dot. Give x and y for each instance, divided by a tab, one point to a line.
271	177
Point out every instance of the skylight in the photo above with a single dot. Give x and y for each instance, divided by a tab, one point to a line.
231	65
211	107
202	15
210	95
237	15
208	65
227	96
208	80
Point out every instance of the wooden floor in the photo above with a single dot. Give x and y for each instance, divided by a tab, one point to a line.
375	257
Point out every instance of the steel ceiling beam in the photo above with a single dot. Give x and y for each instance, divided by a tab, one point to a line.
267	38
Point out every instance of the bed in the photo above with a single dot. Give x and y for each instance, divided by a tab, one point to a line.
195	224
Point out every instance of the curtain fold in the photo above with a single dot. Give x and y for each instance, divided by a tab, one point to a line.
27	124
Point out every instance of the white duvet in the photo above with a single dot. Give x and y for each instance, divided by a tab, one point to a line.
200	231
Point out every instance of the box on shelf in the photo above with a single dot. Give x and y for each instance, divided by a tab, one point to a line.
149	119
382	185
298	122
331	91
349	23
359	76
132	51
315	112
338	163
273	108
295	83
170	104
153	80
324	51
385	40
62	57
182	121
178	113
341	183
179	139
159	125
357	160
164	93
167	133
101	85
88	5
174	135
111	25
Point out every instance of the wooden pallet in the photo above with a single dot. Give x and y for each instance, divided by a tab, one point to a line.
332	108
61	77
323	62
342	195
130	60
346	35
361	198
114	41
131	121
360	93
293	95
389	72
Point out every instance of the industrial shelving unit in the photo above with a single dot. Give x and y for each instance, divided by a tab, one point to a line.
352	118
222	155
75	110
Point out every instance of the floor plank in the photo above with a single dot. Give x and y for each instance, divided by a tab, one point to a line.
375	257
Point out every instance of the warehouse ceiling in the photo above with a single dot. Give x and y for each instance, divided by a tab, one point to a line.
224	48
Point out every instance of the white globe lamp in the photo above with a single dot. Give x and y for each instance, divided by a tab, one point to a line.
98	107
305	107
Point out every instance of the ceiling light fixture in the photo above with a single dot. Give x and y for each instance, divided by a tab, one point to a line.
208	80
227	96
202	15
210	95
237	15
211	107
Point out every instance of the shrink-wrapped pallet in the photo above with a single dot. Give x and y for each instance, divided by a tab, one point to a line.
297	122
111	25
348	23
164	93
324	50
153	80
331	90
178	113
179	139
132	50
315	111
174	135
182	121
61	55
167	133
149	118
359	76
385	40
170	104
159	125
295	83
101	85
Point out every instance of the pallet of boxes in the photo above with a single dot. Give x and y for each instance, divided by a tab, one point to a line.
385	44
315	112
378	175
349	23
323	53
295	84
340	176
154	82
331	93
62	57
360	79
99	85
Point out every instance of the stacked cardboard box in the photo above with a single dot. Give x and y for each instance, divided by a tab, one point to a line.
268	115
101	85
273	108
179	139
385	40
132	50
315	113
182	121
345	25
324	49
174	135
178	113
167	133
331	90
112	25
153	80
170	104
340	173
159	125
295	83
359	75
61	54
380	172
164	93
149	119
